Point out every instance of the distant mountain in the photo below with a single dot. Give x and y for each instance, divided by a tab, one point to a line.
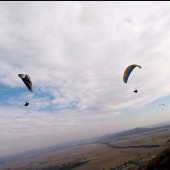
133	132
165	123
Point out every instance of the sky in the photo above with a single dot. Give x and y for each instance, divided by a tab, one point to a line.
76	54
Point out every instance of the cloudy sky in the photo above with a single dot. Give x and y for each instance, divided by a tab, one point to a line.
76	54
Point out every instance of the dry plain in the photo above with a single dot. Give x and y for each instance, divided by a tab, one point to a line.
128	153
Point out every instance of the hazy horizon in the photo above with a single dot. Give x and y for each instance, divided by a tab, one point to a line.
76	54
83	139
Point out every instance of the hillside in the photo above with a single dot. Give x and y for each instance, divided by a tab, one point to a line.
160	162
133	132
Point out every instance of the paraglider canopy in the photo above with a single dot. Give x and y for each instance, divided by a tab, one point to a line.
27	80
128	71
162	104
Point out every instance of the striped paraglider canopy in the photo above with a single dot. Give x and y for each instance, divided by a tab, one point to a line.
128	71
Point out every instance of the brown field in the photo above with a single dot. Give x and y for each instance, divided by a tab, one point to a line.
101	156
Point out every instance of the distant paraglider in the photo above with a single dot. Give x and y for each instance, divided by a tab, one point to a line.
26	104
135	91
127	73
160	105
27	80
